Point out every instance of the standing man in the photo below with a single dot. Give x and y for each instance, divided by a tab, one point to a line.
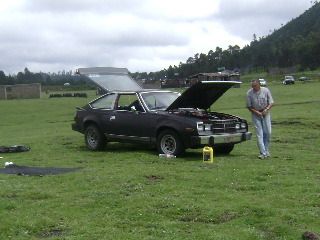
259	103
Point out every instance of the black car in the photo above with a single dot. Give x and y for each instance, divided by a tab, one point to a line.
169	120
288	80
303	79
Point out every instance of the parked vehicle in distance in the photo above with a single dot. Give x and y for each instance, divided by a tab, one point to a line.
263	82
168	120
288	80
303	78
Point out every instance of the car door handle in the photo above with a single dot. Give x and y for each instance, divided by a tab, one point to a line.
112	118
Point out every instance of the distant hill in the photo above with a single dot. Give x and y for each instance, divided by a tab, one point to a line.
296	43
304	25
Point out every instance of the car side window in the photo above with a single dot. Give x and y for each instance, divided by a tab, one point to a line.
127	101
106	102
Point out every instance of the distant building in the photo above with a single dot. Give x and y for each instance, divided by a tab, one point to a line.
218	76
20	91
225	75
172	83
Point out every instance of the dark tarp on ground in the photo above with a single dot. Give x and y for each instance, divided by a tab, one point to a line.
35	171
13	149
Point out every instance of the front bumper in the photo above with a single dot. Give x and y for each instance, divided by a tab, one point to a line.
227	138
76	127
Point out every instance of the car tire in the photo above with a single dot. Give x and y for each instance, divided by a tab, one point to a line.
168	142
94	138
223	149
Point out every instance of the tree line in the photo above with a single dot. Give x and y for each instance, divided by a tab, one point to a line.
46	79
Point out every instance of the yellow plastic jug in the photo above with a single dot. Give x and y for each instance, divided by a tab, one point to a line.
208	154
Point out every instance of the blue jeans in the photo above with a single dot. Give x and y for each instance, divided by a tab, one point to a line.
263	130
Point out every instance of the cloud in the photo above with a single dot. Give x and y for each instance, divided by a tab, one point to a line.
72	6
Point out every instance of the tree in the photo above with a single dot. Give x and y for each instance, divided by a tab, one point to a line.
3	78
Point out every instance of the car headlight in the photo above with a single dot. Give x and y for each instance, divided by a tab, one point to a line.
200	126
207	127
203	127
243	125
237	126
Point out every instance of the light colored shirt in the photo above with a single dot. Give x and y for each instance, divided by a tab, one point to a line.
259	100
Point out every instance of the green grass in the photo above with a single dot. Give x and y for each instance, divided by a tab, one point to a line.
128	192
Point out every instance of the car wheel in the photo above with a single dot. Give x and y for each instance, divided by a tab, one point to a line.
223	149
168	142
94	139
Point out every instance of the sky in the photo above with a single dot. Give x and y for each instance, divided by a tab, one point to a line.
141	35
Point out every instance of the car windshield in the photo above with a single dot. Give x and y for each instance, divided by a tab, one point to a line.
121	82
159	100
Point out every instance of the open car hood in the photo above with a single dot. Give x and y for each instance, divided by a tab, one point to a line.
202	94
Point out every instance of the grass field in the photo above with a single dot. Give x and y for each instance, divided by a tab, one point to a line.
128	192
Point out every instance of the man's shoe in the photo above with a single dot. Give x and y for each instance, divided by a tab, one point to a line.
261	156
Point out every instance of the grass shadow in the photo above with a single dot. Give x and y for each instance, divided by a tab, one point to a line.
123	148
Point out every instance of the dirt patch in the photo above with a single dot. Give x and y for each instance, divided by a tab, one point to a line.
51	233
295	122
298	103
224	217
287	141
287	122
11	196
154	178
310	236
